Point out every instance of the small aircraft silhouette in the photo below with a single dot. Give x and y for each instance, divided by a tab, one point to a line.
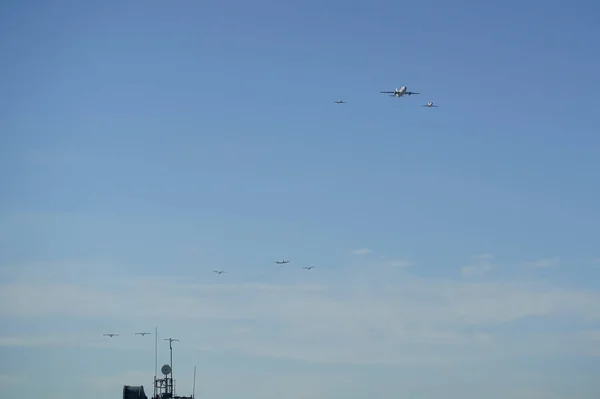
281	262
142	333
308	267
429	105
111	335
218	271
340	102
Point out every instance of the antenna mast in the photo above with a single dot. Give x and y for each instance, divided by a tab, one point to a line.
171	350
194	389
164	388
155	357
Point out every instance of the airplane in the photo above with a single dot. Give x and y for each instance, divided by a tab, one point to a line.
308	267
218	271
142	333
429	104
340	102
281	262
399	92
111	335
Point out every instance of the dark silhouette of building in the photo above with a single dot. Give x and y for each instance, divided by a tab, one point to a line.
130	392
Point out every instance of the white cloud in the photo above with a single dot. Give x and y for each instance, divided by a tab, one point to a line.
400	263
476	270
362	251
481	265
369	318
322	321
393	263
542	263
483	256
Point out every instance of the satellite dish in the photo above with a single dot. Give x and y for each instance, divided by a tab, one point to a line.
166	369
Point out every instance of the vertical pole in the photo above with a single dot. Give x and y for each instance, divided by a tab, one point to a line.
194	389
155	357
171	350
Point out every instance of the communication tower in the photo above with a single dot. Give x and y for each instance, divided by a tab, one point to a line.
164	388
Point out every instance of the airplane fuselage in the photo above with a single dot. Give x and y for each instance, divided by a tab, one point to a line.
401	92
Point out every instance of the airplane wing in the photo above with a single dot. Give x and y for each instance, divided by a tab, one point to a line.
388	92
411	93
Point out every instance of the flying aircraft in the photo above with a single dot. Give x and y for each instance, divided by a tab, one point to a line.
142	333
429	104
111	335
340	102
399	92
218	271
281	262
308	267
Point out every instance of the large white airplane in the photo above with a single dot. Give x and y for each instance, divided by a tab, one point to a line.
399	92
340	102
429	104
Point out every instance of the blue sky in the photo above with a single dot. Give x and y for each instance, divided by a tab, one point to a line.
145	143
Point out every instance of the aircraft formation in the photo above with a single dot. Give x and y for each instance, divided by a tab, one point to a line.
218	272
278	262
116	335
401	92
